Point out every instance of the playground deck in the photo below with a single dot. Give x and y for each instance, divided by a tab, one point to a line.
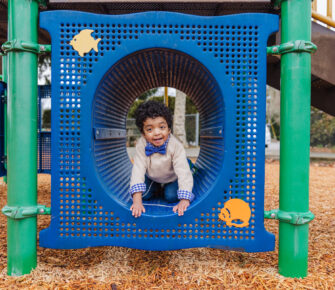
121	268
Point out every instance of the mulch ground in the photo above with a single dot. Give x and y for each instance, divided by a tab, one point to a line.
122	268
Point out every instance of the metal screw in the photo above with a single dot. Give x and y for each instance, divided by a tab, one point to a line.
42	47
41	210
275	49
273	215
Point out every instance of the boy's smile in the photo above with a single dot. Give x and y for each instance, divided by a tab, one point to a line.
156	131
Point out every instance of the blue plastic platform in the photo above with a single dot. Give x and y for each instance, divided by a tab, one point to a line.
100	64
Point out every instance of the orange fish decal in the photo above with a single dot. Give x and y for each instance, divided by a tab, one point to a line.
83	42
236	212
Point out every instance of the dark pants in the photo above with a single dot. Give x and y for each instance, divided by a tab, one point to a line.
168	190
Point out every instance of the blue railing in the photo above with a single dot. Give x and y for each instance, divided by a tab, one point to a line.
44	134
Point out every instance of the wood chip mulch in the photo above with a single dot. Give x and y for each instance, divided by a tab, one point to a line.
203	268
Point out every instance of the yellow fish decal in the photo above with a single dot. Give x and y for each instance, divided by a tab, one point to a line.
83	42
236	212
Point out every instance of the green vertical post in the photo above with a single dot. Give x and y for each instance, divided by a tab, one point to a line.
294	137
22	136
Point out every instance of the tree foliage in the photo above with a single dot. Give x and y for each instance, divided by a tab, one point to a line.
275	128
322	129
46	119
141	99
190	107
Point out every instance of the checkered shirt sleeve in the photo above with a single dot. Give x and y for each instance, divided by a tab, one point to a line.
139	187
185	194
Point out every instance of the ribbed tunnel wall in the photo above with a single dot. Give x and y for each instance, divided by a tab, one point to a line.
128	79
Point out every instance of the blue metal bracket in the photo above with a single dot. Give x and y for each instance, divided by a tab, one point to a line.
295	218
107	133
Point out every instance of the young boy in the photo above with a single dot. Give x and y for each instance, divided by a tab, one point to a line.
160	161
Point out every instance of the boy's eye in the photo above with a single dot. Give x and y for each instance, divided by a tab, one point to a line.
149	130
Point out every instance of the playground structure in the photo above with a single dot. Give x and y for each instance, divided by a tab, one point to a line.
295	78
91	168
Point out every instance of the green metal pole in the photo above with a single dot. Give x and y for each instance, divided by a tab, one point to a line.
22	136
294	137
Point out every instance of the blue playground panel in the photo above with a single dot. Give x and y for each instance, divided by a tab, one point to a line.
44	138
44	152
220	62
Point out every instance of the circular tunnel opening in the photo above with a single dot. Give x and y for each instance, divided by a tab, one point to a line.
119	88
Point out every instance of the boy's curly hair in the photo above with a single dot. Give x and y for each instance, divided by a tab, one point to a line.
152	109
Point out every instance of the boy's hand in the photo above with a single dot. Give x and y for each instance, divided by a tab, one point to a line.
181	206
137	207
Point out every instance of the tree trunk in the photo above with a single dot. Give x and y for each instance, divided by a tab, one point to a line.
179	118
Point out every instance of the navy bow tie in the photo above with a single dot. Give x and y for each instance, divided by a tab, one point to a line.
149	149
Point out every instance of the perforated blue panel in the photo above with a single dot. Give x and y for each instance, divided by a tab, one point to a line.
219	62
44	152
44	136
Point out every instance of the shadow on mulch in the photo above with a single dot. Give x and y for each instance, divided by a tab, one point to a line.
72	259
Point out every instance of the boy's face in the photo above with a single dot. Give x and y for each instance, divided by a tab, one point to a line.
156	131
